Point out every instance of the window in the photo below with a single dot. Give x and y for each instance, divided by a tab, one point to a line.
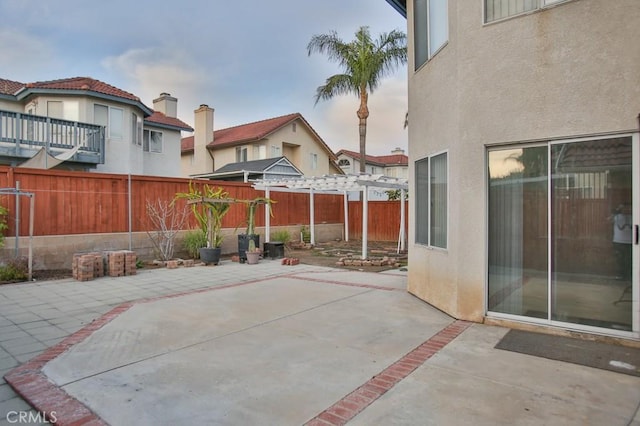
500	9
55	109
136	129
344	163
275	151
152	141
314	161
430	27
101	115
241	154
432	201
294	127
116	123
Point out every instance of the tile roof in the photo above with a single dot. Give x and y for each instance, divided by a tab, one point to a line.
9	87
250	131
159	118
385	160
594	155
83	83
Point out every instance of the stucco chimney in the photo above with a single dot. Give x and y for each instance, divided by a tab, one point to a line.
202	136
166	104
398	151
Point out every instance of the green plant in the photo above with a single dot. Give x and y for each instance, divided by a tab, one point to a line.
282	235
208	206
139	264
305	234
193	241
15	269
252	206
3	223
252	247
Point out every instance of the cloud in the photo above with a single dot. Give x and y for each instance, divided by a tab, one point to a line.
28	53
151	71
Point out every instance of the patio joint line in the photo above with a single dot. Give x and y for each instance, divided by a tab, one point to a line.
355	402
344	283
29	381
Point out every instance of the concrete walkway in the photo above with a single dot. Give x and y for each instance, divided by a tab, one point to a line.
274	344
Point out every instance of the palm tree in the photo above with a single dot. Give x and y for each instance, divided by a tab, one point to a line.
365	62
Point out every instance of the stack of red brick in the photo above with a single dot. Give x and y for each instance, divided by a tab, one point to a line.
88	266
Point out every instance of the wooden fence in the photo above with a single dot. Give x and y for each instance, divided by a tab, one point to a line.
383	220
69	202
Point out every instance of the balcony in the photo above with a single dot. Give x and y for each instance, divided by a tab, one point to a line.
23	135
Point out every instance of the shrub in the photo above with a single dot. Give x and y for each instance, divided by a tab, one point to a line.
15	269
193	241
283	236
3	223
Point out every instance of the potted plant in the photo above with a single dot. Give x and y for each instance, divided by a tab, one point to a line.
250	233
252	253
208	206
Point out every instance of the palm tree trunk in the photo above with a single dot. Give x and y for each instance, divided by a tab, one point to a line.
363	114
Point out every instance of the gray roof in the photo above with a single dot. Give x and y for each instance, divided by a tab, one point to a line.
253	166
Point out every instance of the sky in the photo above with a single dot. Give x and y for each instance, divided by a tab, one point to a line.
246	59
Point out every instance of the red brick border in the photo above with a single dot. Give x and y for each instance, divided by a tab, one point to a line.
352	404
28	380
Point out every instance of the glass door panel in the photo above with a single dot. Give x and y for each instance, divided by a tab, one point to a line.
518	232
591	227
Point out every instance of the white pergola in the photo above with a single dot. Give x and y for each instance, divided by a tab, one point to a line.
330	184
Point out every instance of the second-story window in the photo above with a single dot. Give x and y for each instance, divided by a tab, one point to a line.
152	141
241	154
314	161
275	151
430	28
499	9
136	129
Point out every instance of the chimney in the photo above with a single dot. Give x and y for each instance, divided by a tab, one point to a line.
166	104
203	135
398	151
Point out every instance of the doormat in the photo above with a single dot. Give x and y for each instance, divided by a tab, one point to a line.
605	356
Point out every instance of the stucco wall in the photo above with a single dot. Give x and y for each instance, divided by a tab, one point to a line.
566	71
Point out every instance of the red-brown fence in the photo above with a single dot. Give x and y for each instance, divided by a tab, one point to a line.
85	203
383	220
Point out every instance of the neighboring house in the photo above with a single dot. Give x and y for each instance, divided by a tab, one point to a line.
98	126
395	165
524	142
210	153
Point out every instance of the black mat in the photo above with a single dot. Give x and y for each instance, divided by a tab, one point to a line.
620	359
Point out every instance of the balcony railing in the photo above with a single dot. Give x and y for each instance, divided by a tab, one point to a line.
22	135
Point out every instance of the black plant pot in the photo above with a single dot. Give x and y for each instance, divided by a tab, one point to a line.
243	244
210	255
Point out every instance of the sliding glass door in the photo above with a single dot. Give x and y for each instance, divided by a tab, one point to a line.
561	232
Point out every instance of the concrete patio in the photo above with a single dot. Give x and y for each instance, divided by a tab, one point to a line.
275	344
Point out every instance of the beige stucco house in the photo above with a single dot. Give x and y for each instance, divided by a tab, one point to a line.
395	165
289	136
524	161
92	125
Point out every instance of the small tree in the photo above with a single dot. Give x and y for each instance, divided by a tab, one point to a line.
167	220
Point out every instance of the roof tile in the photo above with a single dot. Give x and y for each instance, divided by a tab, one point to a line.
160	118
83	83
9	87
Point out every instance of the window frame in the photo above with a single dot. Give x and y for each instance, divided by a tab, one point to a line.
427	222
146	144
425	57
541	5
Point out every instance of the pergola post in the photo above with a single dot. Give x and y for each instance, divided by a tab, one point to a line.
346	215
267	218
312	215
403	236
365	220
